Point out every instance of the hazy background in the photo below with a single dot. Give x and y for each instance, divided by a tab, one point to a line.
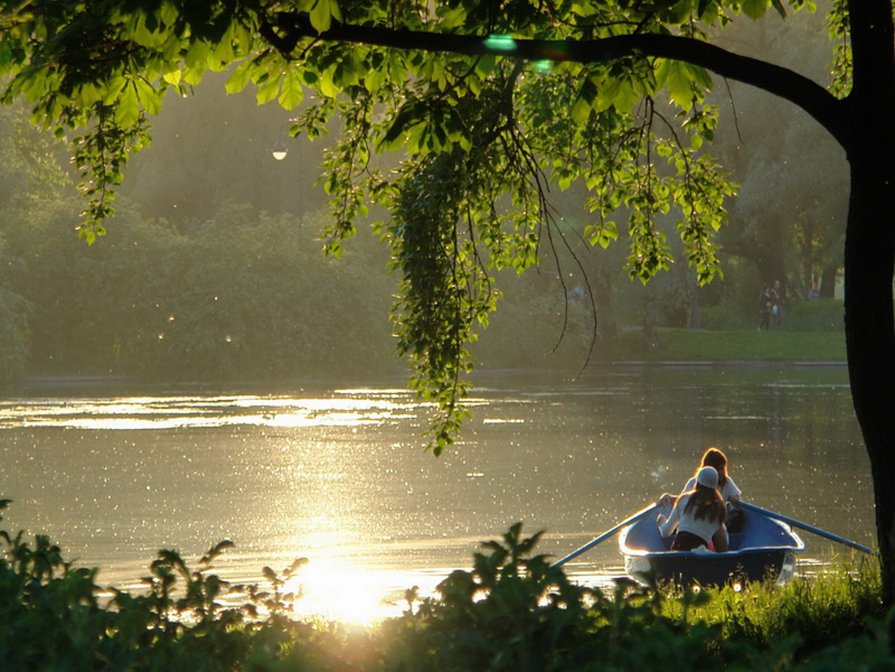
212	270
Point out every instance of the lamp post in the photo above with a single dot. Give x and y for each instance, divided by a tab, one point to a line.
279	150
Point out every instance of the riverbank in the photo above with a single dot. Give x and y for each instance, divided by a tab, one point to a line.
677	345
670	345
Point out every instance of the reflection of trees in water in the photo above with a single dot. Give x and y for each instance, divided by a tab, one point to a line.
784	416
775	435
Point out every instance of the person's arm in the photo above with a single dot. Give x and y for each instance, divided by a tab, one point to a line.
720	540
666	500
668	525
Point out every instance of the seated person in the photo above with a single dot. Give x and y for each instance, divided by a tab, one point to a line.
698	516
730	493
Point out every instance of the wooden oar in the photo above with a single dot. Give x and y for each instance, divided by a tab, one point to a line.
807	527
608	533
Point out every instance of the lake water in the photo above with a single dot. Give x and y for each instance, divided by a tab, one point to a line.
336	474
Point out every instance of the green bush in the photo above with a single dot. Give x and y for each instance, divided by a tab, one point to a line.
511	612
727	318
820	315
51	619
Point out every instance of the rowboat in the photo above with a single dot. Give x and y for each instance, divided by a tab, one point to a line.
763	548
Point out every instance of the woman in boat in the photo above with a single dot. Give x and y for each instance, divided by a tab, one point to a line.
730	493
698	516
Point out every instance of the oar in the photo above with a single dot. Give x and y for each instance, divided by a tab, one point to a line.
806	526
608	533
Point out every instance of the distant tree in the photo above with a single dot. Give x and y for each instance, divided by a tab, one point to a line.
789	219
240	296
491	102
14	313
31	180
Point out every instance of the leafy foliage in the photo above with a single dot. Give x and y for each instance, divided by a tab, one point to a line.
512	611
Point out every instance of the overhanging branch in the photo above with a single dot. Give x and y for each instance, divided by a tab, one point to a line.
774	79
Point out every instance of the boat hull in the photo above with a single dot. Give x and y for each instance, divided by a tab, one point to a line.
764	549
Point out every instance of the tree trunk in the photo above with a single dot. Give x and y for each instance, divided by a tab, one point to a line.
694	318
607	327
870	257
828	282
870	329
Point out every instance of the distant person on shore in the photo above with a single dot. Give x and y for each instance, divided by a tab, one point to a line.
776	305
814	292
765	303
698	516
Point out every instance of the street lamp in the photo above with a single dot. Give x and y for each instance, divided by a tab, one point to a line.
279	150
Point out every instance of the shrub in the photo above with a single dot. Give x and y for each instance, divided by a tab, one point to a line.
51	619
512	612
820	315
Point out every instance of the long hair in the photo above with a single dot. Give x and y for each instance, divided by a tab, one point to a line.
713	457
706	504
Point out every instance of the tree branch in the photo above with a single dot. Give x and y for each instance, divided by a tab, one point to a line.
779	81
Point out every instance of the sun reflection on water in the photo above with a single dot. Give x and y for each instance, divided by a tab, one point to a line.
341	591
346	408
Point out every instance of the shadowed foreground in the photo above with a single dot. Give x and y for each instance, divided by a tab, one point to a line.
512	612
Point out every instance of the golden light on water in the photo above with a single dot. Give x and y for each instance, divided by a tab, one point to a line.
337	590
181	412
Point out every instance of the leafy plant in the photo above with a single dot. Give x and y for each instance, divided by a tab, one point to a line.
512	611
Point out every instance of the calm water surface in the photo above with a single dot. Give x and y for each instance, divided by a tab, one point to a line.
336	474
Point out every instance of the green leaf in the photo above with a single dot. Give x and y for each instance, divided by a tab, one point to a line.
196	61
114	89
141	33
602	234
147	96
374	78
755	9
322	15
172	76
619	94
674	76
291	91
89	94
326	85
127	111
584	103
240	77
169	13
268	89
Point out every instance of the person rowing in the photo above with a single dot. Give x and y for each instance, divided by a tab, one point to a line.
698	516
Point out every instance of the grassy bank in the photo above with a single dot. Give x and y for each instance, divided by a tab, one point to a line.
699	345
512	612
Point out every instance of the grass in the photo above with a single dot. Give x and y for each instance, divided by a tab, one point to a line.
699	345
830	606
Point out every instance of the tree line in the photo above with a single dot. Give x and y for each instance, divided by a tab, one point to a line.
235	295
